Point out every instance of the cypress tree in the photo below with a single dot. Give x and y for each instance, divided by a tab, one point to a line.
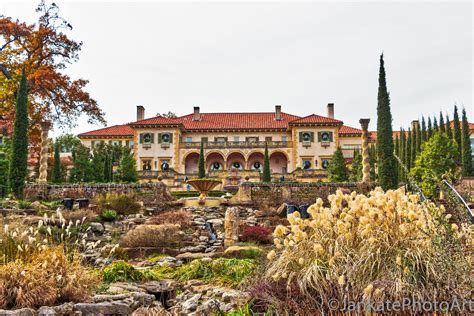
82	169
373	162
430	129
201	163
387	172
108	168
266	166
435	125
408	150
424	134
418	140
466	146
3	174
19	160
442	126
402	154
413	147
356	172
56	174
457	131
449	131
337	170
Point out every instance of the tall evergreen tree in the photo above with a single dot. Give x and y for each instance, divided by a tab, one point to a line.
435	124
413	146
82	169
402	155
466	146
19	161
128	167
3	174
267	177
201	163
98	163
387	172
424	134
429	132
442	126
108	167
56	174
408	150
418	140
373	162
449	130
337	170
356	172
457	130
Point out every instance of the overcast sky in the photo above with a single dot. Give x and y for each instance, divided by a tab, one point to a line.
231	57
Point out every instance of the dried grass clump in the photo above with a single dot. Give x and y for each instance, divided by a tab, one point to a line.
384	246
123	204
181	217
49	277
166	235
85	215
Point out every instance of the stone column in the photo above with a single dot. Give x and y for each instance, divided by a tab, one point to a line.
43	169
231	226
364	123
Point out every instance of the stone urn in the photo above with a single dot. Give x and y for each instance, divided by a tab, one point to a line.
204	186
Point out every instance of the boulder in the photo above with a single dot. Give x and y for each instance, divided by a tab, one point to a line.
242	252
37	206
97	227
231	226
103	308
18	312
189	256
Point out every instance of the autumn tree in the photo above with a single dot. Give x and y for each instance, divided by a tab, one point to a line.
44	50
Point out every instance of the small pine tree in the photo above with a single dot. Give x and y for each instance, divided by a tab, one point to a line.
356	172
423	135
56	174
267	177
337	170
201	164
466	146
457	131
128	167
19	161
442	126
449	130
3	174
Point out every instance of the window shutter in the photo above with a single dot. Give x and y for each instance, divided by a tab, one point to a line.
312	136
301	137
171	138
319	136
152	138
159	138
120	143
127	143
330	136
204	139
141	138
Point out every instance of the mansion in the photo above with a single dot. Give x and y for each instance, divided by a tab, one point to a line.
234	144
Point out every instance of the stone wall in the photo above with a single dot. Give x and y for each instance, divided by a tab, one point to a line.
274	194
148	193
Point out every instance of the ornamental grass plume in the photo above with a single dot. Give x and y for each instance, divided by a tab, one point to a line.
383	246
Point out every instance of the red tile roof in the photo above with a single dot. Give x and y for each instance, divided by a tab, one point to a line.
116	130
347	130
158	120
315	119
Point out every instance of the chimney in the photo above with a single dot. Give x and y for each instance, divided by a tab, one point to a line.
140	112
331	110
197	115
278	116
415	124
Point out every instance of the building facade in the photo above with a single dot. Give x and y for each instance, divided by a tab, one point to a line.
234	143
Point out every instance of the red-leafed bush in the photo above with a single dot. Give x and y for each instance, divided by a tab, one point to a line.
257	234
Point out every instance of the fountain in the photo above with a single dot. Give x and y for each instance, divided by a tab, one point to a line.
203	185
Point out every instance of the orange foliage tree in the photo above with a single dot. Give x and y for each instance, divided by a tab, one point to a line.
44	51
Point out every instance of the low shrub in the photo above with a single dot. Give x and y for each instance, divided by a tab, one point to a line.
165	235
257	234
108	216
52	204
24	204
123	204
121	271
226	272
180	217
48	277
